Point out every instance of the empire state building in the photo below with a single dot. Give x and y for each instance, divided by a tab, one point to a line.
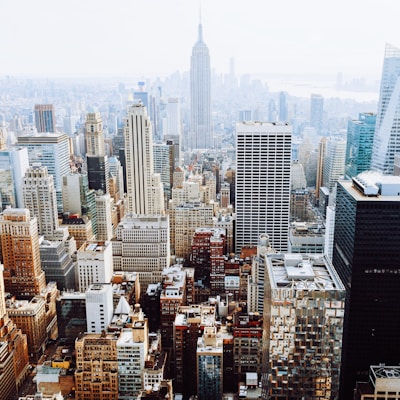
200	95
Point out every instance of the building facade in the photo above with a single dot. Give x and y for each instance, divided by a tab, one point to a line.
263	183
365	246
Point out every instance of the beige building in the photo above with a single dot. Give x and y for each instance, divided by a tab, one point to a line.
30	316
19	241
96	375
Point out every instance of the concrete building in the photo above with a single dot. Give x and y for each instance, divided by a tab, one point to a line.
94	264
19	241
99	307
189	324
383	383
334	163
96	374
144	187
30	317
40	198
307	238
142	245
51	150
104	217
80	228
263	183
317	112
13	350
303	325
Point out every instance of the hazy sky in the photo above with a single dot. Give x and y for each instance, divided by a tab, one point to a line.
147	37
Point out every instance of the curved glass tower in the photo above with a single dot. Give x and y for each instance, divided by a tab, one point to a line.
387	131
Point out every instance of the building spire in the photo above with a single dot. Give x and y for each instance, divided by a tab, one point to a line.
200	34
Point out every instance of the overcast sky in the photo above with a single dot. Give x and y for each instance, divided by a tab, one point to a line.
148	37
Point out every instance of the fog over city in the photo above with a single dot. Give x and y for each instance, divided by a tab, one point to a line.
281	38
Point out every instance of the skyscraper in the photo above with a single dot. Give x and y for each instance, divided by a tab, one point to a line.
365	250
45	119
97	162
52	151
334	162
19	241
360	138
144	187
263	162
200	95
317	112
40	198
387	130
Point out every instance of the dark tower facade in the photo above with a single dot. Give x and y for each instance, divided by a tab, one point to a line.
365	254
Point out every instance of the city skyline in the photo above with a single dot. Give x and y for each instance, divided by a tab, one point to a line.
286	37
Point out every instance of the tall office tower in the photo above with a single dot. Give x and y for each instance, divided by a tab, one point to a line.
185	219
40	198
45	118
105	229
97	160
174	127
225	194
96	374
99	307
303	325
78	198
387	130
94	264
164	165
334	163
364	252
283	107
135	233
256	283
210	366
132	353
329	231
144	187
57	263
116	170
320	165
13	164
263	164
13	350
19	240
200	95
360	139
188	326
245	115
52	151
317	112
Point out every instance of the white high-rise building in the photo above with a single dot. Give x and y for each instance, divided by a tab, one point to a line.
144	187
142	245
95	264
263	169
200	95
40	198
104	204
99	307
387	129
335	159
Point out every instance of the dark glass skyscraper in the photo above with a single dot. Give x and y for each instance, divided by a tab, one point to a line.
365	254
200	95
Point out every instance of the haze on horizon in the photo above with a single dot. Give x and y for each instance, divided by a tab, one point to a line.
155	37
